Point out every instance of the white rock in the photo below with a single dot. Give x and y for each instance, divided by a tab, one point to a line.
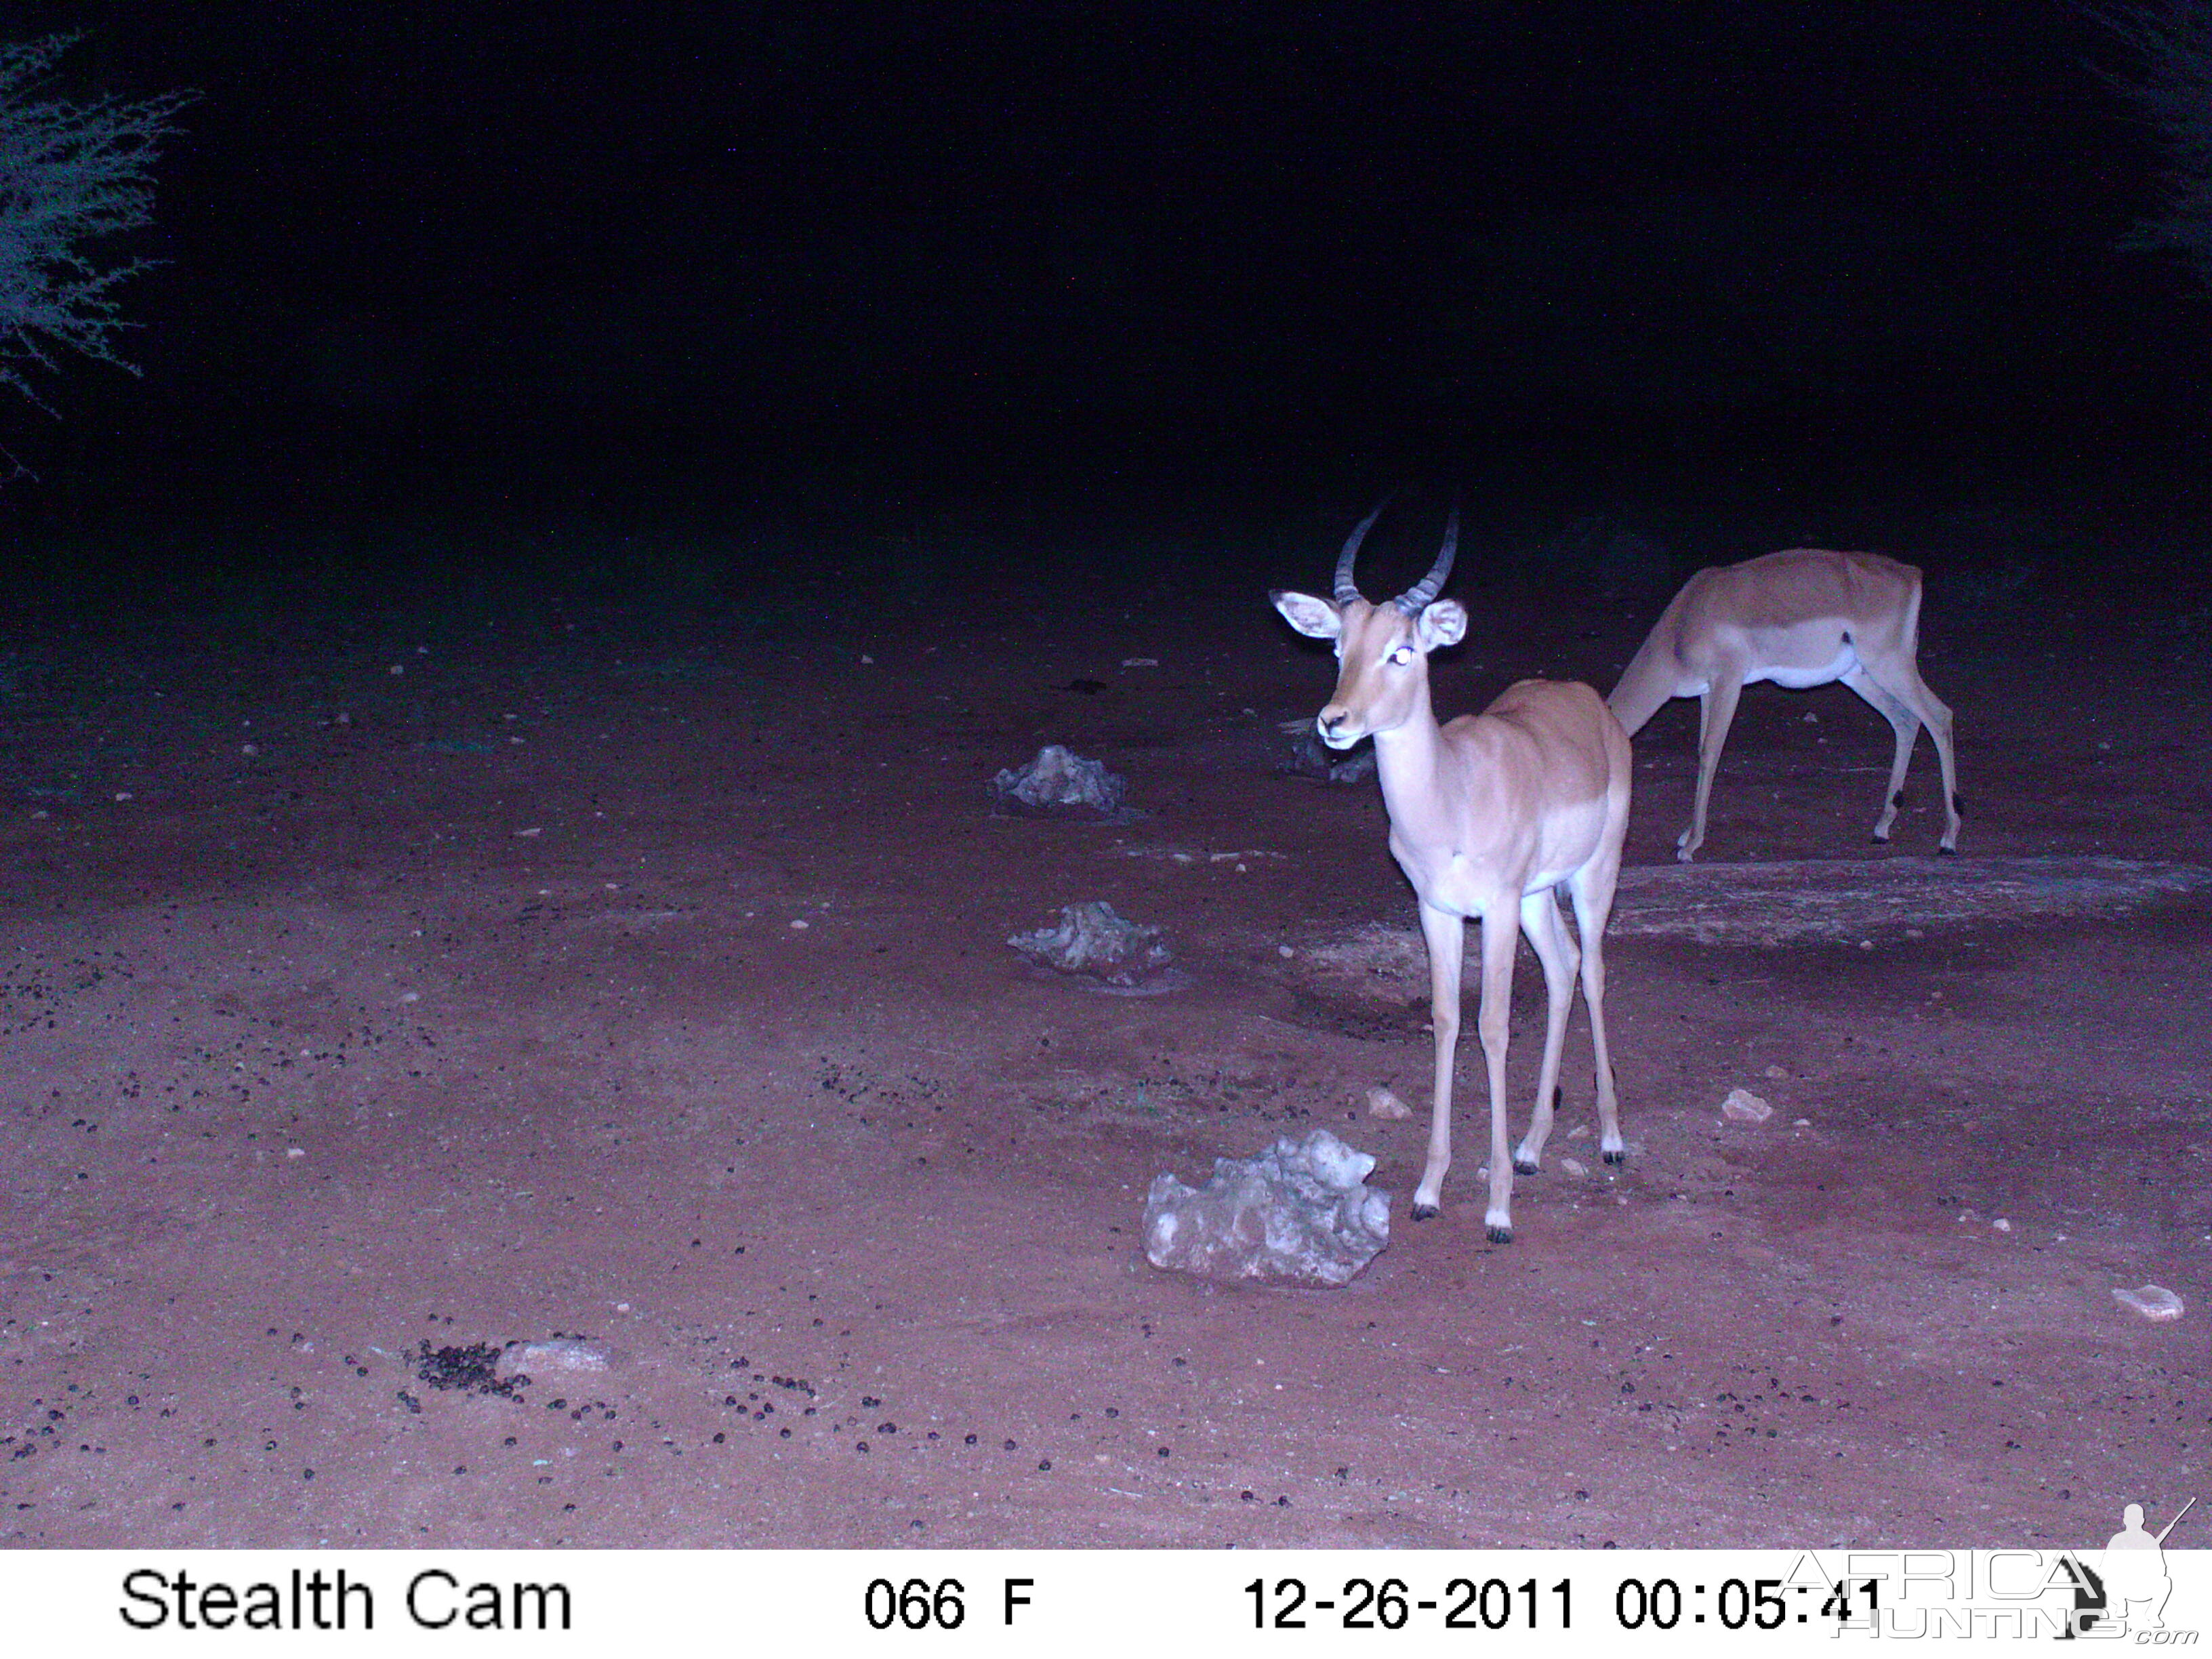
1574	1166
1059	783
1745	1107
1381	1103
558	1354
1300	1213
2153	1301
1093	939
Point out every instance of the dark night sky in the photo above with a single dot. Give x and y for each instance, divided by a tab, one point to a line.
728	248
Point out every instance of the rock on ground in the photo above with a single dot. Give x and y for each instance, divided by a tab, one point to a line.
1300	1213
1093	939
1059	783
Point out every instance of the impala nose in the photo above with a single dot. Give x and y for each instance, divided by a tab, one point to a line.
1329	723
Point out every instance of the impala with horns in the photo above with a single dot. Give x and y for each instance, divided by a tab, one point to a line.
1800	619
1488	816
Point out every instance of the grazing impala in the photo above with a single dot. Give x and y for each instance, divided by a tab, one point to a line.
1801	618
1488	815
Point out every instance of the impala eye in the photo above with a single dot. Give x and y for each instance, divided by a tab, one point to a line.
1401	656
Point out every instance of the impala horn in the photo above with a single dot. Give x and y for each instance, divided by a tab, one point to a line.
1346	589
1415	598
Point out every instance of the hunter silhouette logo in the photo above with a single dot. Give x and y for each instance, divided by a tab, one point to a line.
2135	1583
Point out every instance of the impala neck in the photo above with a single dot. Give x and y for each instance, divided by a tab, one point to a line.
1406	757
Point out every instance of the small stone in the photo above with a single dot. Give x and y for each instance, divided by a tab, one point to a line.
1285	952
799	925
1745	1107
536	830
2153	1301
2001	1224
1381	1103
558	1354
1574	1167
1775	1074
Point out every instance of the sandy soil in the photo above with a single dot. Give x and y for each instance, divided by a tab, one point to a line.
478	970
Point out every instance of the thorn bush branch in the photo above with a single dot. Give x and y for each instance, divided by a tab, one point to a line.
72	175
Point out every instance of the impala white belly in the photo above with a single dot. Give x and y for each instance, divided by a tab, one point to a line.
1458	885
1798	670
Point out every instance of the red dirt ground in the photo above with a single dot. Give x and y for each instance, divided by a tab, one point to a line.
644	978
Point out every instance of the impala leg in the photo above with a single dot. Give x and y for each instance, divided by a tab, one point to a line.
1939	728
1905	723
1897	690
1500	938
1446	934
1715	714
1592	888
1539	920
1935	714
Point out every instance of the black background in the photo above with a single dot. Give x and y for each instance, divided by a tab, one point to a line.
752	267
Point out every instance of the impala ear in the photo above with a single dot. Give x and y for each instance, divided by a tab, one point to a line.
1317	619
1443	623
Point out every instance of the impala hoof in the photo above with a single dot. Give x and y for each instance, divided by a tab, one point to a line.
1423	1211
1618	1156
1525	1165
1498	1235
1946	852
